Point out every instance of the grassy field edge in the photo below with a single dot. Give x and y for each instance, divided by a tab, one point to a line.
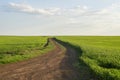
101	66
28	54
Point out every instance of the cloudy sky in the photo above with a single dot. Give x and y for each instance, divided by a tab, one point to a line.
59	17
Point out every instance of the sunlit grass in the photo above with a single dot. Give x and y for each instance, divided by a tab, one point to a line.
101	54
17	48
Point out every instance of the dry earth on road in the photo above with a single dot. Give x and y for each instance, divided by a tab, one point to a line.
54	65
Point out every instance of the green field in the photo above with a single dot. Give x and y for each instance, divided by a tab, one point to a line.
17	48
101	54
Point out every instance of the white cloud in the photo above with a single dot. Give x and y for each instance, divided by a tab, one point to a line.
104	21
25	8
79	9
29	9
77	20
114	8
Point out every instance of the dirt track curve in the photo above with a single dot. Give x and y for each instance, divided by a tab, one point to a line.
54	65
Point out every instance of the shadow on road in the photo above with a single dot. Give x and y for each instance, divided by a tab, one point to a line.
78	70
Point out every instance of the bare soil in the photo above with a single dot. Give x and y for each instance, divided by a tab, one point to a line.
54	65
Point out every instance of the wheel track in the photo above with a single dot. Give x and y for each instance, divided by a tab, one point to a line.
55	65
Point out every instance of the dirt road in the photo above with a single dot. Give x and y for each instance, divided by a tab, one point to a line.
54	65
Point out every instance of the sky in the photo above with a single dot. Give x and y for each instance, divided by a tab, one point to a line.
60	17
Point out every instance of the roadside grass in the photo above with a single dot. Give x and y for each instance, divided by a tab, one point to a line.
84	70
101	54
18	48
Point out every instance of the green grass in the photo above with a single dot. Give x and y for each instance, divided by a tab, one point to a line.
101	54
17	48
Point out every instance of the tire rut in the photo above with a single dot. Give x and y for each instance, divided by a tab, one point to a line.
54	65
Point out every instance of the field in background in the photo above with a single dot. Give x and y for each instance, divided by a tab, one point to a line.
17	48
101	54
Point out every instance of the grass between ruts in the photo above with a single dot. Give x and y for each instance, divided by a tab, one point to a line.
101	54
18	48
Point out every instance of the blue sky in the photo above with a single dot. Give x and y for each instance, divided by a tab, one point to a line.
59	17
